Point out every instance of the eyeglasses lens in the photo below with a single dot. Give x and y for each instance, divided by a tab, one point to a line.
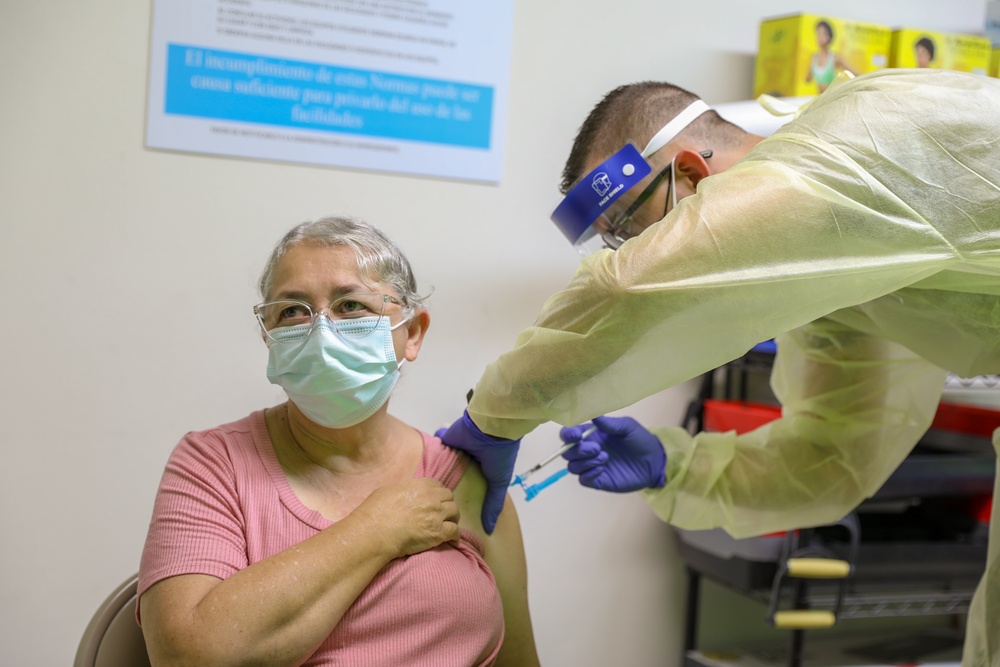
637	203
352	315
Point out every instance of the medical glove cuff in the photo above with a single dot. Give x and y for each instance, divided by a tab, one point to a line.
496	458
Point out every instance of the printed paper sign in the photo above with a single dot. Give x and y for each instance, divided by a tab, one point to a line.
395	85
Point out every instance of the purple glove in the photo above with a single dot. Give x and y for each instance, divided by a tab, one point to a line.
496	458
620	456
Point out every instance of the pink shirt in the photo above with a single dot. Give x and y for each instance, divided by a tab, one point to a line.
225	503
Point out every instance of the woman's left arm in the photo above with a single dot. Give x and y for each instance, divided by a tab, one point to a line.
504	553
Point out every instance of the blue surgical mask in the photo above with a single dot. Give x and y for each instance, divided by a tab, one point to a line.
335	381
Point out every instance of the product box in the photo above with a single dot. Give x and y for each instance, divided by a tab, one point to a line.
924	48
801	54
991	27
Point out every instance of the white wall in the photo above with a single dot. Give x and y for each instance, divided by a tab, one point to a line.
128	279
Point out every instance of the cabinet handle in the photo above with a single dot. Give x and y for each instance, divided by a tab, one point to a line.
818	568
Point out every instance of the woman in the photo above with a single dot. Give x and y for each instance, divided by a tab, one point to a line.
825	63
324	531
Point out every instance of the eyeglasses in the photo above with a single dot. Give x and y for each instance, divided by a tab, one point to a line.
353	315
617	233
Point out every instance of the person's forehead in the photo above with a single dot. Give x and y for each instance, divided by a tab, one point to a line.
309	253
314	263
591	165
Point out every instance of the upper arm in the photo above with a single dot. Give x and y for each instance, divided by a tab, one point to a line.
504	554
197	524
195	540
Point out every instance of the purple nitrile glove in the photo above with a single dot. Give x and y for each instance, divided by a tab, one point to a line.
620	456
496	459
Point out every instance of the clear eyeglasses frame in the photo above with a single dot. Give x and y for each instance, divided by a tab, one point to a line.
352	315
617	232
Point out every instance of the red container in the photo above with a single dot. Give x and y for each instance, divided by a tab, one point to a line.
743	416
739	416
966	419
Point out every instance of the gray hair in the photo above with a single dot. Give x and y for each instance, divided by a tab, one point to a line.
379	259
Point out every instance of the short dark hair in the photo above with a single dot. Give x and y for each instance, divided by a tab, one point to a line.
632	114
829	28
928	44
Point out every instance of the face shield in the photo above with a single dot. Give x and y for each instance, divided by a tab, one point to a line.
594	213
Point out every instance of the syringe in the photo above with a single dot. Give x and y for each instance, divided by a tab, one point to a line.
534	489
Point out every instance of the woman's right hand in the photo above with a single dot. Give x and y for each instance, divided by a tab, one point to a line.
412	516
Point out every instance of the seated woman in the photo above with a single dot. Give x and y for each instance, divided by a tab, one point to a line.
324	531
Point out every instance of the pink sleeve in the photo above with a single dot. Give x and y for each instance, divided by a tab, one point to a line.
443	463
197	525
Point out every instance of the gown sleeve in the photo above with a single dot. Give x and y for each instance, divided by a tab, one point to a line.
761	249
852	408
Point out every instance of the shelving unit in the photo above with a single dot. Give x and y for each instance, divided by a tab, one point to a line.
921	539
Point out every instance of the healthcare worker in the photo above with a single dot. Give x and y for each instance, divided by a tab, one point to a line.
864	236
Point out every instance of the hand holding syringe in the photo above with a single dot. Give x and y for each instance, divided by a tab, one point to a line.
533	490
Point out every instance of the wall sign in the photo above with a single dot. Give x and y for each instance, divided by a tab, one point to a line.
411	86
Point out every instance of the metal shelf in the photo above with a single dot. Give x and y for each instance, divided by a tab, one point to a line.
922	549
912	604
895	605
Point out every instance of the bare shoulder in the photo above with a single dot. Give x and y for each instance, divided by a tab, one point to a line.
469	494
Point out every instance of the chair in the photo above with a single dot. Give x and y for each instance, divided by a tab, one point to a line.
113	638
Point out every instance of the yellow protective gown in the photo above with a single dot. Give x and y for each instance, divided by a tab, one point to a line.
865	236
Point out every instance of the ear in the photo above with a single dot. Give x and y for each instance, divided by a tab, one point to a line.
415	330
689	168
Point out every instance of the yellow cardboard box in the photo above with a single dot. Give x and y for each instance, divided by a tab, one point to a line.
991	27
800	54
995	63
925	48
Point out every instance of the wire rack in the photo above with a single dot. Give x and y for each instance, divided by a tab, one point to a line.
978	382
884	605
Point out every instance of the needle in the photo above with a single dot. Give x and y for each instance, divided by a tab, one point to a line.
523	477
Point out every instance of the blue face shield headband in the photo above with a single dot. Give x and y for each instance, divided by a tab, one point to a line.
593	196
